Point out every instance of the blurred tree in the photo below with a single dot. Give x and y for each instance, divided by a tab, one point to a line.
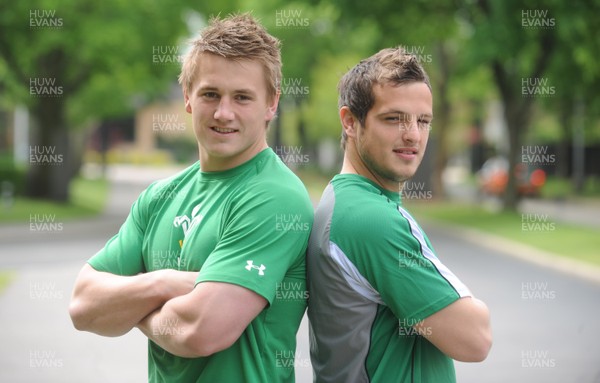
72	61
307	33
576	76
536	50
387	23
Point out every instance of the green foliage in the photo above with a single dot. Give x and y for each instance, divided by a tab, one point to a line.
322	110
101	53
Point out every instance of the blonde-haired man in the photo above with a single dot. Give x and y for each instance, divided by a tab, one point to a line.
221	314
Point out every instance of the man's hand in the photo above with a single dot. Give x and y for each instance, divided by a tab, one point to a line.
111	305
174	282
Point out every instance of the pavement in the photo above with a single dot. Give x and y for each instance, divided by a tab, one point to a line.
544	316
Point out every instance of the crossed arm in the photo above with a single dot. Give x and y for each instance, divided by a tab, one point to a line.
165	306
461	330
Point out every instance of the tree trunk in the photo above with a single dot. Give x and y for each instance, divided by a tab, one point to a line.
49	174
517	124
442	122
562	148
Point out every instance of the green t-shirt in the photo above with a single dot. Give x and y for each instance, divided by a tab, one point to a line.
248	226
372	276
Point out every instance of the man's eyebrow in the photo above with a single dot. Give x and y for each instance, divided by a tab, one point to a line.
211	88
207	88
395	111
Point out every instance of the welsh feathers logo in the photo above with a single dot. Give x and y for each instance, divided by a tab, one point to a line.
186	223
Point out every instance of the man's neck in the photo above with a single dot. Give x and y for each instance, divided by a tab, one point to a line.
218	164
353	164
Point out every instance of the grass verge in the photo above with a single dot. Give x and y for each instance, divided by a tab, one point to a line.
88	198
567	240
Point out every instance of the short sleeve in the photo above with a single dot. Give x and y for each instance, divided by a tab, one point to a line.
122	254
399	263
264	237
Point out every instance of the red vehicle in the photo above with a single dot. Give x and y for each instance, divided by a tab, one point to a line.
493	178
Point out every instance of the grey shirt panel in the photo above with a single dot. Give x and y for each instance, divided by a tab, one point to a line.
341	308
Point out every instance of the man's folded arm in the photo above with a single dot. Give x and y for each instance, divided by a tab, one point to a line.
207	320
461	330
111	305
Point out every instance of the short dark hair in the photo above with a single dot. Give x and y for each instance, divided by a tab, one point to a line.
388	66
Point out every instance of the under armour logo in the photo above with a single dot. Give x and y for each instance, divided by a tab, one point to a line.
261	268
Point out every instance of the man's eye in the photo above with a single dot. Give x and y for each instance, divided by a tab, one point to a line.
210	95
392	118
424	124
242	97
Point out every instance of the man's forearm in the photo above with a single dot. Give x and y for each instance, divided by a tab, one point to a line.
111	305
200	323
169	327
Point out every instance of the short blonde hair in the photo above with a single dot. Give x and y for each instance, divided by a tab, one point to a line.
237	37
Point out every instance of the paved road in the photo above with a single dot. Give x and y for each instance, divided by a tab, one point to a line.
545	323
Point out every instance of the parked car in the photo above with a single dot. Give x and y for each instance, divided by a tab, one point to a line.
493	178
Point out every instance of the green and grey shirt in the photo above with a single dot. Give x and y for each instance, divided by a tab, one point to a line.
372	276
248	226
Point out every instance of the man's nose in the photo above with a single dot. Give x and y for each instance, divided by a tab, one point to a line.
224	110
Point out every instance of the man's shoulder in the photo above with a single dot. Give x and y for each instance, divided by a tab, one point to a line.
274	178
354	198
358	210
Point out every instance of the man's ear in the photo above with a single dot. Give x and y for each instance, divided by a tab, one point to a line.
272	107
186	98
349	122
